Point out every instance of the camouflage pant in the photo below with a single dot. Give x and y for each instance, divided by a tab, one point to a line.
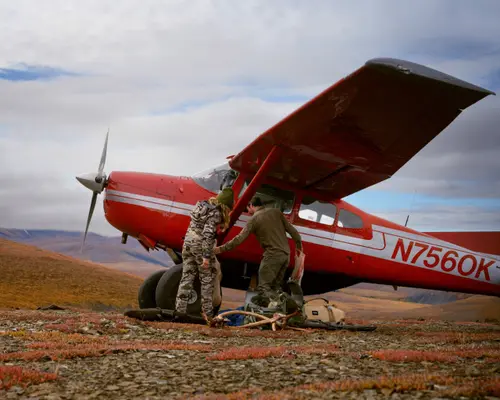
192	267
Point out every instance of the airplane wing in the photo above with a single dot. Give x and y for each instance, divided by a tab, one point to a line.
363	129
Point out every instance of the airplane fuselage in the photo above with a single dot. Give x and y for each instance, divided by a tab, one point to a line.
343	247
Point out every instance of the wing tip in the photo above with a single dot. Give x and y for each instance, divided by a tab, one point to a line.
409	67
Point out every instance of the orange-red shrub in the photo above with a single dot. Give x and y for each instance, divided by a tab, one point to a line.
17	376
413	355
446	356
475	388
245	353
61	351
402	383
456	337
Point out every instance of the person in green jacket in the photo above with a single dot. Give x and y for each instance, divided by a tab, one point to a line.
270	226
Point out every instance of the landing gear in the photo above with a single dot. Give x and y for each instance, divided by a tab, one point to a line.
159	290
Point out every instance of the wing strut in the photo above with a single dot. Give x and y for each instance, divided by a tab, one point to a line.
258	178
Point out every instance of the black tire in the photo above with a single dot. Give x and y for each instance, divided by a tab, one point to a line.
166	291
147	291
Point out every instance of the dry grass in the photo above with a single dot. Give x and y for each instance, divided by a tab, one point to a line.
32	277
374	293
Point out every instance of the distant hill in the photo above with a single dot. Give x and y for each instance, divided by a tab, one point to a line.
473	308
436	297
130	257
412	295
32	277
134	259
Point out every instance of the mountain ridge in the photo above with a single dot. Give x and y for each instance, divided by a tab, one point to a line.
106	250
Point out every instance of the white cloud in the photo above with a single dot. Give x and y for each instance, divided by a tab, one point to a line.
142	61
446	218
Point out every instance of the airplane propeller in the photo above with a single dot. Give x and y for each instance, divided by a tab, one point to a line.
94	181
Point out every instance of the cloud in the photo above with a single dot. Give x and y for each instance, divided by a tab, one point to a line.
182	85
462	161
447	218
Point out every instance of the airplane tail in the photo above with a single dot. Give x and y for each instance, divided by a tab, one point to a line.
482	242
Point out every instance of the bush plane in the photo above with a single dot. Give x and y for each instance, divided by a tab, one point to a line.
356	133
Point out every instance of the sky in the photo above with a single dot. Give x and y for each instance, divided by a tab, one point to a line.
183	84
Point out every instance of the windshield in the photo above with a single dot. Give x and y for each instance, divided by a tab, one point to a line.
216	178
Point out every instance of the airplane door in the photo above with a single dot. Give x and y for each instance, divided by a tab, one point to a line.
352	236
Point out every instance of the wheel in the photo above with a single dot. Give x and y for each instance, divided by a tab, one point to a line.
166	291
147	290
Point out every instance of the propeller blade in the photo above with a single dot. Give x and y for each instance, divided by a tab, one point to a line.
91	211
103	156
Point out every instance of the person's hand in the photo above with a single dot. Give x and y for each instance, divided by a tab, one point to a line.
217	250
206	263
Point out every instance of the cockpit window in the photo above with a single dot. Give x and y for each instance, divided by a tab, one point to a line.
348	219
216	178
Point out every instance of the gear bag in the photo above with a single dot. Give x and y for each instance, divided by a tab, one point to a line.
325	312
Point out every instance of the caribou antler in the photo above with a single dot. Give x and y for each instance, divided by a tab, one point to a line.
278	319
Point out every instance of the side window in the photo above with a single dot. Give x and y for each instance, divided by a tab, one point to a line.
273	197
348	219
317	211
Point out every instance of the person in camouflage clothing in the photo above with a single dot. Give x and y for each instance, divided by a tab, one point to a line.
198	250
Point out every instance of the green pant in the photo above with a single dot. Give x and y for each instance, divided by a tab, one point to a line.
271	273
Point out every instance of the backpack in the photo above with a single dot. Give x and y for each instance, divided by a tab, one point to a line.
323	312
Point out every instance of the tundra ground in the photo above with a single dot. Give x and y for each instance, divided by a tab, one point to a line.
73	354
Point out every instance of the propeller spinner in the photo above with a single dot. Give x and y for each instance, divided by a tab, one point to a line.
94	181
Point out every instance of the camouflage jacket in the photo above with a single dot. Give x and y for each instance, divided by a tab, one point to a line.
204	220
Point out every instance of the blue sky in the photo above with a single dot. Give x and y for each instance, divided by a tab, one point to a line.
32	73
172	79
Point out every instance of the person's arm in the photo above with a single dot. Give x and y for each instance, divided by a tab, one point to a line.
293	232
209	234
238	239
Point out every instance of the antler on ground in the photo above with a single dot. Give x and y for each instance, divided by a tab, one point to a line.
278	320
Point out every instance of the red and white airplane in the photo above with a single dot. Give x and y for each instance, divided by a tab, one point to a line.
353	135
